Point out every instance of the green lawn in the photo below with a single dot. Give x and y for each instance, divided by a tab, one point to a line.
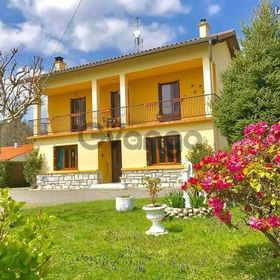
93	241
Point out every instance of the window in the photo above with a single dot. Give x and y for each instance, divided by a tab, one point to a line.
163	150
65	157
169	100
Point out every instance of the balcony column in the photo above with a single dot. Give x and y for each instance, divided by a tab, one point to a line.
47	127
94	103
208	85
37	115
123	99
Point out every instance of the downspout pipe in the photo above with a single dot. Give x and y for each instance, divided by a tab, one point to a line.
211	42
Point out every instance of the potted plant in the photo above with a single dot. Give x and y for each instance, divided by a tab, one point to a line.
154	211
124	203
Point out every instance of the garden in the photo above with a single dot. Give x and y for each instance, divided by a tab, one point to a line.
93	241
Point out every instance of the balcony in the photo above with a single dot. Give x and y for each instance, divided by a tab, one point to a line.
175	110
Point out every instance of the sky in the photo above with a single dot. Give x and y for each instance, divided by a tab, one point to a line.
104	28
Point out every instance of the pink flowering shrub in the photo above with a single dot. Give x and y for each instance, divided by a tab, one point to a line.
248	176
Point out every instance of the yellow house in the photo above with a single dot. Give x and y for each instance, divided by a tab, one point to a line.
131	116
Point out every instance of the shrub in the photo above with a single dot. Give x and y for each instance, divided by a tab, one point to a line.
25	242
3	175
248	176
199	151
11	174
174	199
152	186
196	198
32	167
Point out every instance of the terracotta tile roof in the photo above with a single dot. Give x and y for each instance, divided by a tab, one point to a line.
8	153
228	36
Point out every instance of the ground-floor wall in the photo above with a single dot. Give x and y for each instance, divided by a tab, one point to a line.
169	177
94	155
60	181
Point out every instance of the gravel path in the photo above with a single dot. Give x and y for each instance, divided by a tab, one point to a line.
53	197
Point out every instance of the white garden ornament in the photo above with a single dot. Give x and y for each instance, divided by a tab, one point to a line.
124	203
155	214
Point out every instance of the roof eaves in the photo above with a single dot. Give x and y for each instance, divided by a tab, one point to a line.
131	55
219	36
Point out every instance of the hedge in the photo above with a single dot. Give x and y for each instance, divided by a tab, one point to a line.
11	174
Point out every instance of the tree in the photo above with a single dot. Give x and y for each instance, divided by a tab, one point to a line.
15	131
20	87
251	85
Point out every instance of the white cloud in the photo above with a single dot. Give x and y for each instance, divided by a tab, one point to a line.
26	35
97	25
214	9
117	33
155	7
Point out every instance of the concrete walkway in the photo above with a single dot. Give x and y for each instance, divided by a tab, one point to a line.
53	197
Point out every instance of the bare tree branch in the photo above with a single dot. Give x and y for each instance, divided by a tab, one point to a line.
20	88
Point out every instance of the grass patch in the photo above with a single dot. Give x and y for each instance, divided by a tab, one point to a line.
93	241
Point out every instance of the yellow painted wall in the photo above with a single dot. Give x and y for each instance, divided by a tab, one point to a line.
87	151
133	146
220	141
130	65
105	161
145	90
59	109
221	58
136	158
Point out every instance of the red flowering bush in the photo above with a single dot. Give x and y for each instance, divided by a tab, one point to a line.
248	176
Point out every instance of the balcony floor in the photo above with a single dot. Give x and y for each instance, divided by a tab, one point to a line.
130	127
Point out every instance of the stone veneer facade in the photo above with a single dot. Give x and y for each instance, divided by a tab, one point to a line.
169	177
86	180
59	181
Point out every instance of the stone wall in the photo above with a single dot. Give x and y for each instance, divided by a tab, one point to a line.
86	180
169	177
60	181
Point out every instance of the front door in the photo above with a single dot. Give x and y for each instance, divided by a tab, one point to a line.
116	161
78	114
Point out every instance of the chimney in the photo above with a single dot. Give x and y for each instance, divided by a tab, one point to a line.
15	145
203	28
59	64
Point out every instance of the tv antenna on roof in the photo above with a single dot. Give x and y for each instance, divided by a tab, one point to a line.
138	41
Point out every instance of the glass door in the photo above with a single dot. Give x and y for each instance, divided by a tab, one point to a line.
115	109
78	114
169	101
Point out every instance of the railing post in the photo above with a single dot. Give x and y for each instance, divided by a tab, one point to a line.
207	82
37	114
123	98
94	103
